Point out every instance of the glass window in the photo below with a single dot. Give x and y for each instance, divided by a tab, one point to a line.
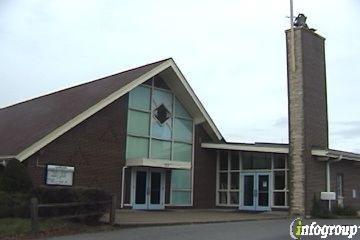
339	185
234	197
279	161
160	149
279	198
234	176
180	197
261	161
162	131
183	130
234	160
137	147
223	160
139	123
223	197
254	160
182	152
279	180
180	179
223	184
246	160
180	110
139	98
162	114
162	97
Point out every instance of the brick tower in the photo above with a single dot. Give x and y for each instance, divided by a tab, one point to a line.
307	102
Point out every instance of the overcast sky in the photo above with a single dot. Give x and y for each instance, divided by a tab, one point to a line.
232	52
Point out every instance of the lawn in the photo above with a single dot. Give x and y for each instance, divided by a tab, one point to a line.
19	228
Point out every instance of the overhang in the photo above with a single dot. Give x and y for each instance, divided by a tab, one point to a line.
269	148
335	154
157	163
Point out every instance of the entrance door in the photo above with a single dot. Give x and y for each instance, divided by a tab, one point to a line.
148	188
255	192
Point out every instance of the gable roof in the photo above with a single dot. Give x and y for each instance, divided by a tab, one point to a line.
28	126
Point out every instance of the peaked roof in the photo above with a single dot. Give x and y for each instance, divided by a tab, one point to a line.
28	126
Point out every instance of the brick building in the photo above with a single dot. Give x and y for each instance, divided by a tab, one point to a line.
143	135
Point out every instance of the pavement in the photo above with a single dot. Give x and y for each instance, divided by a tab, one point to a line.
248	230
132	218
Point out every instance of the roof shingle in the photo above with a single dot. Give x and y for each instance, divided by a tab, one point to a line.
27	122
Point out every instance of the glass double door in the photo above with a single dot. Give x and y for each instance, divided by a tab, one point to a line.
148	188
255	191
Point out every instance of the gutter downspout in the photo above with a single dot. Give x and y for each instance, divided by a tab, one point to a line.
122	187
328	180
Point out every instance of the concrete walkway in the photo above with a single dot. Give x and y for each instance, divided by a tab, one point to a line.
127	217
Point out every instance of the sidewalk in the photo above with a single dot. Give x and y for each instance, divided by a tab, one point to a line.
128	217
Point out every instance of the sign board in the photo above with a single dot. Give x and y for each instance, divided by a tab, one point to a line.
59	175
328	196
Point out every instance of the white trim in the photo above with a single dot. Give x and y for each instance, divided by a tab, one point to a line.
7	157
159	163
110	99
336	154
196	100
89	112
245	147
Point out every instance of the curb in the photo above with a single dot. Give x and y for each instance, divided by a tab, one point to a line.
140	225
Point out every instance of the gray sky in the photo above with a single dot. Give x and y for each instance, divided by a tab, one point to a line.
231	52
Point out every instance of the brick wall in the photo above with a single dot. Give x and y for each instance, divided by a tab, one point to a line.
204	171
96	148
351	180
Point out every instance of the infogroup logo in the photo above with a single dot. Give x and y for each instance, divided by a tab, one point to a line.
298	230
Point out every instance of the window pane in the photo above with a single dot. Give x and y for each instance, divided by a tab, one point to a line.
137	147
223	197
279	161
223	184
234	160
234	197
279	198
182	152
162	97
138	123
261	161
180	110
160	149
162	131
183	130
223	160
246	160
234	180
180	197
139	98
180	179
253	160
279	180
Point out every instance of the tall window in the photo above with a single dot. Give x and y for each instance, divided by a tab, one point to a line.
232	163
280	180
228	178
160	128
339	185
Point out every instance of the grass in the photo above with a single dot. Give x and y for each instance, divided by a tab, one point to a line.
19	228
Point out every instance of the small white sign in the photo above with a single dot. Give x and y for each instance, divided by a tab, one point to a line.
328	196
59	175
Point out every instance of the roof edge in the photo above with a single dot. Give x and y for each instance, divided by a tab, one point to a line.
54	134
30	150
246	147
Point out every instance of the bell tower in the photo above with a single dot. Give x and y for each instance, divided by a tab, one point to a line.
307	106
